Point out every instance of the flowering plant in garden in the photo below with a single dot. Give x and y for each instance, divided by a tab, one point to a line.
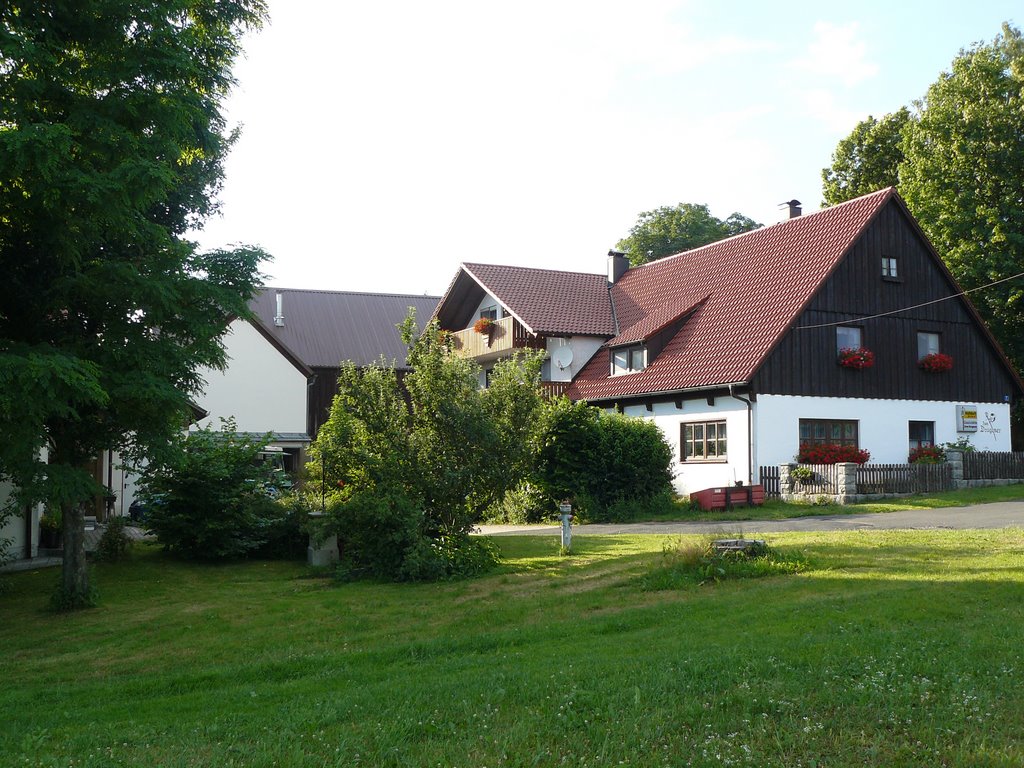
483	325
927	454
856	358
935	363
831	454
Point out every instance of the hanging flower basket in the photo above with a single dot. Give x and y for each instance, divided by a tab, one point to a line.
936	363
857	359
483	325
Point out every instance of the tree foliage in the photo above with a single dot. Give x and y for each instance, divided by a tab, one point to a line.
867	160
962	177
111	147
956	160
673	229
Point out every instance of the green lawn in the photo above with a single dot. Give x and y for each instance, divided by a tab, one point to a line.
779	510
894	649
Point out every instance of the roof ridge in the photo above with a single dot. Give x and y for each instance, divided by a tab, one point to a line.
881	192
533	269
351	293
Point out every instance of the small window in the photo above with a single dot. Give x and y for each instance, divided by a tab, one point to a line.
927	344
491	313
848	337
922	433
703	441
629	359
889	269
828	432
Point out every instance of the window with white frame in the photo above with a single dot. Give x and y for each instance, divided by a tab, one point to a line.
491	312
927	344
629	359
703	441
848	337
889	268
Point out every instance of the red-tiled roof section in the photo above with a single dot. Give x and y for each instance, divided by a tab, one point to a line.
549	301
323	328
648	325
756	284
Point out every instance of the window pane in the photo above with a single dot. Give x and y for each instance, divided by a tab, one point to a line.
889	266
619	358
847	337
636	359
927	344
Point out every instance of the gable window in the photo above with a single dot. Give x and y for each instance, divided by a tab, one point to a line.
629	359
922	433
703	441
828	432
848	337
491	312
927	344
889	269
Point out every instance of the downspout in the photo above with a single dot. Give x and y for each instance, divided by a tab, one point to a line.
750	432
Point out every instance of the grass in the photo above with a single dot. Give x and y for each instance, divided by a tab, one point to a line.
892	648
780	510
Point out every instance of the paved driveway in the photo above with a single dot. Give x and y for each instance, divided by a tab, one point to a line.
1002	514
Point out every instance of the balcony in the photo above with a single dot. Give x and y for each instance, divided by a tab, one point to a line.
505	336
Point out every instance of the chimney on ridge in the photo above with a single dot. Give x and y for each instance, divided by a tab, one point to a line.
617	265
794	208
279	317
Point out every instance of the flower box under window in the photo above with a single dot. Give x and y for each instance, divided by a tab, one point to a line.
937	362
857	359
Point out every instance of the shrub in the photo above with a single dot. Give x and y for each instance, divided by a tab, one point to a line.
831	454
927	454
609	465
114	544
522	505
211	498
688	561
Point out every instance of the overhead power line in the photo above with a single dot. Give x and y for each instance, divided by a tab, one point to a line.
907	309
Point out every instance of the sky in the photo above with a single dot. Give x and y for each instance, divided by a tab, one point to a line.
384	143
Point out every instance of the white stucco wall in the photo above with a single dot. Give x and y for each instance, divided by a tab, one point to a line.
260	388
883	425
583	348
690	476
488	302
12	532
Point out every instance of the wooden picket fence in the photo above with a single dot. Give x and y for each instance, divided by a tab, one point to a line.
904	478
992	465
768	477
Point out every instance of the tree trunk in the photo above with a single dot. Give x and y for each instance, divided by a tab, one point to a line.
74	583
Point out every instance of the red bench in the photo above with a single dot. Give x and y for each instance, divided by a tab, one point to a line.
727	497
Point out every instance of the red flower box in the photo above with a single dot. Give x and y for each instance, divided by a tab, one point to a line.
857	359
935	363
831	454
927	454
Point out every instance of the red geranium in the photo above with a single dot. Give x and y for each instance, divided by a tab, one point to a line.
483	325
935	363
927	454
831	454
856	358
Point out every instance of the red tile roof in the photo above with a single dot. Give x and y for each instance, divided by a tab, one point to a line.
549	301
755	285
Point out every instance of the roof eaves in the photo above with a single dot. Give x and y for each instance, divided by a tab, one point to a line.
280	346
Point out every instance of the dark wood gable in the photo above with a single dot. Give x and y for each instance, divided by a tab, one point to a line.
804	362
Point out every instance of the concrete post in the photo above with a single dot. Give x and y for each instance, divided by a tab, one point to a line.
846	479
955	459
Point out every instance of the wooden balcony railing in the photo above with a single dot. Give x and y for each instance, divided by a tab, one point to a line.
505	336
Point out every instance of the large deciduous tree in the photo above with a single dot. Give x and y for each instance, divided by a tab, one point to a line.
963	177
867	160
673	229
112	140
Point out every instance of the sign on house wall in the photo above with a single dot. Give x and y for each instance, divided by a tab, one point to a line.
967	418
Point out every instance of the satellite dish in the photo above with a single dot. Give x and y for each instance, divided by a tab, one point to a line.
562	357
